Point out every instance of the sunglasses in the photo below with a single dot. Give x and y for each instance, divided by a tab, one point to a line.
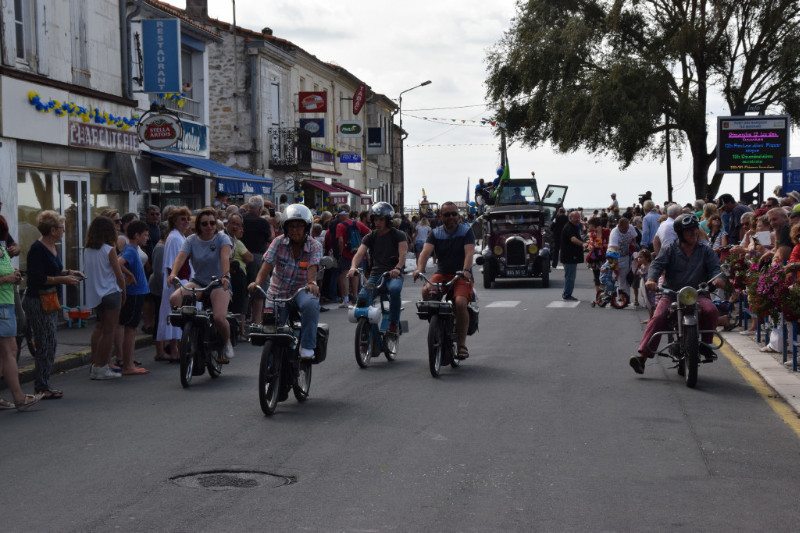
452	214
208	223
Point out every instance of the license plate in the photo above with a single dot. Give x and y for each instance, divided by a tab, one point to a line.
517	272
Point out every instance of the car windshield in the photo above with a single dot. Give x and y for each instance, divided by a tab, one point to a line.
518	192
516	223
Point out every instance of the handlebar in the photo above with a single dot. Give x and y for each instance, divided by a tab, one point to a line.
282	300
177	282
384	278
441	284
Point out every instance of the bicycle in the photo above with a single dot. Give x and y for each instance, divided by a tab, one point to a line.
281	367
200	345
372	322
439	311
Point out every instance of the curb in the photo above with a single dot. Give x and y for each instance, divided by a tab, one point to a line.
73	360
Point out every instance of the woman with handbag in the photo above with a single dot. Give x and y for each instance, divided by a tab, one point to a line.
45	275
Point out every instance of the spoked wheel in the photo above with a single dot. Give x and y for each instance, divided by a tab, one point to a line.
675	352
452	344
214	366
691	354
488	275
302	384
269	377
435	346
391	343
620	300
598	299
363	342
188	350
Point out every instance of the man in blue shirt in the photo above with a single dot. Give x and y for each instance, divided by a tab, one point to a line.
649	223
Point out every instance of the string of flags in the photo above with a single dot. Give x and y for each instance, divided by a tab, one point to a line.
480	123
448	145
84	113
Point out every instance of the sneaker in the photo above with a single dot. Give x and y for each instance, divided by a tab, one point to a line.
306	353
228	351
569	299
637	363
707	352
392	328
345	304
103	372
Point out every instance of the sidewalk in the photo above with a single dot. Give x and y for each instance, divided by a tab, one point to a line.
769	366
73	351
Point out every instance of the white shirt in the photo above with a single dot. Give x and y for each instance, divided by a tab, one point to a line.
622	241
100	275
666	232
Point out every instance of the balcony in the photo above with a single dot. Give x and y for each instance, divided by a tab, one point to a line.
191	109
290	149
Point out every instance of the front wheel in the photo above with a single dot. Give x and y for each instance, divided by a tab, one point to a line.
488	275
599	300
435	346
302	382
545	279
188	350
619	300
269	377
691	354
363	342
391	343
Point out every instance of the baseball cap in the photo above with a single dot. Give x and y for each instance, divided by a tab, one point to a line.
343	211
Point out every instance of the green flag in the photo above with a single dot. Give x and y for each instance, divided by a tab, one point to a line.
504	177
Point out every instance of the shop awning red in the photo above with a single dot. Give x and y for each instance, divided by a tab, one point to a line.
324	187
350	189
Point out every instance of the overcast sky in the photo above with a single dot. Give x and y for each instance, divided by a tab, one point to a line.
393	46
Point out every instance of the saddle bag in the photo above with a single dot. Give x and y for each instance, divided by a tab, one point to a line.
321	351
474	314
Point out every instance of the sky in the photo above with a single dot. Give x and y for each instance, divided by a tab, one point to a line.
394	46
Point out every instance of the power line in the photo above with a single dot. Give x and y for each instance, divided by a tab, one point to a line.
459	107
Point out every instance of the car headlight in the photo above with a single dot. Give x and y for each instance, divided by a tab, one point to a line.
687	296
532	249
498	250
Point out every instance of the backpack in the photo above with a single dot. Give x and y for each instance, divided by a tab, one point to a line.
353	237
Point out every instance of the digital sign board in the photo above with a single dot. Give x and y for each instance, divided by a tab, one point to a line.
752	144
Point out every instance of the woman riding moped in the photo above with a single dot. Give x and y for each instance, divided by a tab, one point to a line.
210	254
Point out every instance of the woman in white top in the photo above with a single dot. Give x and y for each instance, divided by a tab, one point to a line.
178	222
104	292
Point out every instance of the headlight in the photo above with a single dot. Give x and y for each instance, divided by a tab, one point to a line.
687	296
532	249
498	250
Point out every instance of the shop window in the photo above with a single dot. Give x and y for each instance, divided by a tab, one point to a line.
37	190
24	28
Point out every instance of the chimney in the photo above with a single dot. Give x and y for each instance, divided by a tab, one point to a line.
266	31
197	9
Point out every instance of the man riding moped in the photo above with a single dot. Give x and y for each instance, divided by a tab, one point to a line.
684	262
387	247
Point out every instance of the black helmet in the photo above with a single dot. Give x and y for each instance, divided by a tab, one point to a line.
684	222
382	209
297	212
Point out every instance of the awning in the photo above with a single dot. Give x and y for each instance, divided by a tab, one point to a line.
365	199
229	179
337	196
122	176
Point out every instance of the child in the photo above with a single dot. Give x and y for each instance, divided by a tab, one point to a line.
609	272
135	291
643	261
596	244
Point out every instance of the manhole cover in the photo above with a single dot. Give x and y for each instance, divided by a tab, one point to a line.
231	479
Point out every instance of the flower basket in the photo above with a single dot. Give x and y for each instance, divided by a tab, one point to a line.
766	291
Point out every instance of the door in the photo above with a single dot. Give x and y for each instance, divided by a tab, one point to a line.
75	209
554	196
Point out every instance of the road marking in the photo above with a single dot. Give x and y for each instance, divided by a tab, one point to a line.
501	303
562	304
781	408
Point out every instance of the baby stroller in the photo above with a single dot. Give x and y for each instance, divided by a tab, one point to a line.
618	299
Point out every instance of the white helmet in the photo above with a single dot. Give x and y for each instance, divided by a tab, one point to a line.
297	212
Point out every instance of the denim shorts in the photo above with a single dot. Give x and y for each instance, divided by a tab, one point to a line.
8	321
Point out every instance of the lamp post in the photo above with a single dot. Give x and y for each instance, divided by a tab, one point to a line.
403	136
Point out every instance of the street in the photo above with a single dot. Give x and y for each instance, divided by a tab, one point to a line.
544	428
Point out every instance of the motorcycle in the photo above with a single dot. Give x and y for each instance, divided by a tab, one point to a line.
281	368
200	345
372	337
685	345
439	311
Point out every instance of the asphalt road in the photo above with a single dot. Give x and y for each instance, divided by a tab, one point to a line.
544	428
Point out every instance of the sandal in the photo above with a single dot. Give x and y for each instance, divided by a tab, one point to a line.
463	353
50	394
5	404
29	400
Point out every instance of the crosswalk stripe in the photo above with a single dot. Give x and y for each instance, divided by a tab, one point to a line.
504	303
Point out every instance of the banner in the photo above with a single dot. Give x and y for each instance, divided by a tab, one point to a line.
752	144
359	98
161	55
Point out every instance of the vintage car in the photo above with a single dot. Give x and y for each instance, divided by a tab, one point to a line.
515	231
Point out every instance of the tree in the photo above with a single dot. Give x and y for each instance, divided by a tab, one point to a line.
611	76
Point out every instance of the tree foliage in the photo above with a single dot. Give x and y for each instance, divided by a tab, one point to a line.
602	75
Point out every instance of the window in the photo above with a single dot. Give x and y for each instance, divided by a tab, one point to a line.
24	26
80	53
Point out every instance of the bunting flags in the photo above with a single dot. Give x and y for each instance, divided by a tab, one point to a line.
461	122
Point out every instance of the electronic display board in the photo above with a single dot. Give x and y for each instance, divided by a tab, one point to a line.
752	144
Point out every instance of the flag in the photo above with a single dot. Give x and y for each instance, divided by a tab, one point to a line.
505	177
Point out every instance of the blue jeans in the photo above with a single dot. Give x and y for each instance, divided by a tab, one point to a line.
570	271
395	287
309	317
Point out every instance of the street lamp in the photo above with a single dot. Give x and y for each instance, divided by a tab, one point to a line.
403	136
